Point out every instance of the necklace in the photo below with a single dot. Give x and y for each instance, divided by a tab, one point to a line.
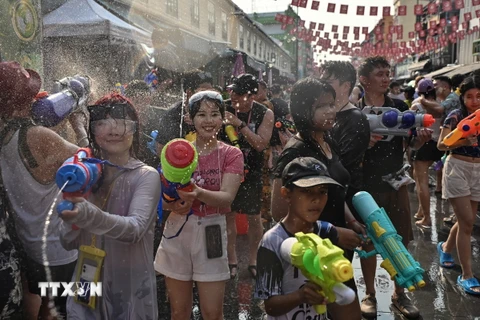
346	104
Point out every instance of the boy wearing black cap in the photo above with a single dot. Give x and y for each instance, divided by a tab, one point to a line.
254	124
286	292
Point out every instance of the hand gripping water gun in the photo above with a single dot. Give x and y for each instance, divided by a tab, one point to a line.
469	126
179	160
322	263
232	135
78	176
397	261
69	94
284	124
391	122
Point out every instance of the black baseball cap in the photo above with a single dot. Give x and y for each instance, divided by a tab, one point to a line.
306	172
245	83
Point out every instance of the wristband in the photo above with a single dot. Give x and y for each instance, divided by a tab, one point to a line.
242	125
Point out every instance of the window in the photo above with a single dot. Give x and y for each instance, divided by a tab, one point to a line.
249	47
240	37
195	7
260	48
254	45
172	7
211	18
224	26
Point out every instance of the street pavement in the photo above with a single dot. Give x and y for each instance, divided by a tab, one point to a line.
440	299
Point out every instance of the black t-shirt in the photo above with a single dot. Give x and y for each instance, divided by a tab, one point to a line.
169	125
253	158
385	157
280	110
334	211
351	133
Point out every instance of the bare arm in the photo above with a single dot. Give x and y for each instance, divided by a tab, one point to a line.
278	206
49	150
261	140
78	120
460	143
222	198
433	107
130	228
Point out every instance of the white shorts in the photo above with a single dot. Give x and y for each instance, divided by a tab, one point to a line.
461	179
184	257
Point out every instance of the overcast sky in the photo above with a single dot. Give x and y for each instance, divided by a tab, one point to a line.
322	16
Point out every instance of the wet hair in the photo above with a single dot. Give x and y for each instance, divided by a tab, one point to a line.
394	84
194	78
341	70
111	99
196	106
445	79
370	63
263	84
218	88
276	89
304	94
467	84
457	80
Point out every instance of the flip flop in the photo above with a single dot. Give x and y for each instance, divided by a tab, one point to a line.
468	284
417	216
446	259
423	226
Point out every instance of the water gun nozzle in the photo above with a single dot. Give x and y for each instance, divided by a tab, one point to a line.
428	120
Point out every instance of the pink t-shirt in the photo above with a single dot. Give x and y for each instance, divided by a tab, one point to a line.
210	171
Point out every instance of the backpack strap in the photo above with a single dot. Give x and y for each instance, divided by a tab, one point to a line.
23	146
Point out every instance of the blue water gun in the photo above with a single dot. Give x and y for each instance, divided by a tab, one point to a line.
77	176
151	145
397	261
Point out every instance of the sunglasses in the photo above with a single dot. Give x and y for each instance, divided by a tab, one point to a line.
211	95
100	112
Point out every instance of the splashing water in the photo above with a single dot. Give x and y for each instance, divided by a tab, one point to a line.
51	303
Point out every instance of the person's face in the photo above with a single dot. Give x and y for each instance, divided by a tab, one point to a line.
308	203
471	98
441	88
377	81
241	101
395	90
114	136
324	112
208	120
341	89
261	94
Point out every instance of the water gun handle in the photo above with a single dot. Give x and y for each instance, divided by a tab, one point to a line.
151	145
64	205
232	135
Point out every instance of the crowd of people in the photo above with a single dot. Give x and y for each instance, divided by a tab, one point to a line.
298	164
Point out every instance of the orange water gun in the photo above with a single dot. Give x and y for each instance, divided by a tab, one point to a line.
469	126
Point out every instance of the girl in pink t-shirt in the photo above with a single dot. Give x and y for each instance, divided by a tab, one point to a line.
198	251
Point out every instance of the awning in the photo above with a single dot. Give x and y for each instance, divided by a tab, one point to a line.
465	69
418	65
87	18
442	71
404	77
255	64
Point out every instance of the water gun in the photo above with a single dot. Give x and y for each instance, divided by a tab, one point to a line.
469	126
322	263
76	177
283	124
151	79
397	261
232	135
179	160
151	145
391	122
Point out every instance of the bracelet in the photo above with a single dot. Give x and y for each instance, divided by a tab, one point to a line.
242	125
